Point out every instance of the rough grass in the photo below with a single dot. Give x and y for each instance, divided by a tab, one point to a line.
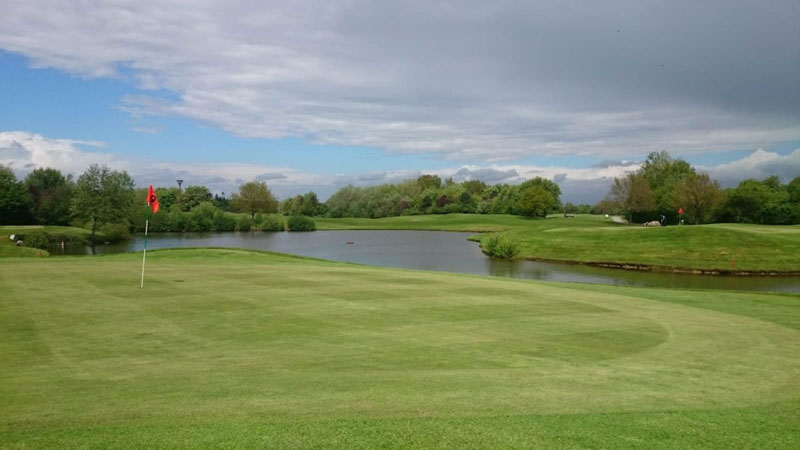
236	349
592	239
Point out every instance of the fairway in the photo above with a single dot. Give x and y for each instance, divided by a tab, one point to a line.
237	349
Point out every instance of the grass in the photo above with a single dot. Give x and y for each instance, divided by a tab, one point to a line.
9	248
237	349
595	239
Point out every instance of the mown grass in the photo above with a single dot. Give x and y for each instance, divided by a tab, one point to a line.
593	239
9	248
237	349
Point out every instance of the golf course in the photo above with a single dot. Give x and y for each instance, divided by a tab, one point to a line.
228	348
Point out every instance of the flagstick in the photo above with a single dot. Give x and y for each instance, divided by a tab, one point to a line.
144	252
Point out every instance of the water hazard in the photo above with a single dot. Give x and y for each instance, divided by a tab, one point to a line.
434	250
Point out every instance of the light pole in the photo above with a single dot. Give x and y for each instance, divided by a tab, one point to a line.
180	182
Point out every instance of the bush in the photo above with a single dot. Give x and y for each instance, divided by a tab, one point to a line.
500	247
114	232
223	221
245	223
272	223
37	239
301	223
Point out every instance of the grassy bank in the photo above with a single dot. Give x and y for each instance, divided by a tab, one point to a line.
236	349
9	248
596	239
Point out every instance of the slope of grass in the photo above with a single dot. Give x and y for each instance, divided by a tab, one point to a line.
237	349
8	247
593	239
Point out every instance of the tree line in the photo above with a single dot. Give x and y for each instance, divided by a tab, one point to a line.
665	185
105	200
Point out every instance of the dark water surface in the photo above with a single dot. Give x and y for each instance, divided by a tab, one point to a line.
433	250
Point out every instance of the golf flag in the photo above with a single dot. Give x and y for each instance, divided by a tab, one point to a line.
680	210
152	200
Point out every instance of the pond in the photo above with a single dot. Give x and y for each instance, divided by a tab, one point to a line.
434	250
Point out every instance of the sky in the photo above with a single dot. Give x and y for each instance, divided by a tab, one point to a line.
315	95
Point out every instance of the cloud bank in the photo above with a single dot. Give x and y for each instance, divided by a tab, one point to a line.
469	80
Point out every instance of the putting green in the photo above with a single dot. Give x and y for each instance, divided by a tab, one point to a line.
225	348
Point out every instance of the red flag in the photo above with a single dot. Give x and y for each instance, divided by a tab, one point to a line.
152	200
680	210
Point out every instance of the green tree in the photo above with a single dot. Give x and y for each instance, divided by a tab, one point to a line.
193	196
535	201
15	201
699	196
664	173
794	190
51	193
548	185
102	195
254	197
429	182
749	197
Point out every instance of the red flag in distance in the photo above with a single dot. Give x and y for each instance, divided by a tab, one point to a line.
680	210
152	200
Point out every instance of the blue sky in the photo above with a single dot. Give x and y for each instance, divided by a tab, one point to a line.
348	95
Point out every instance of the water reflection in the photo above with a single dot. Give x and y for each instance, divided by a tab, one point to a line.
431	250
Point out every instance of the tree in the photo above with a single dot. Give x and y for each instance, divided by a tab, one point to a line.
429	182
548	185
633	194
311	205
193	196
15	202
664	173
102	195
535	201
253	197
794	190
749	197
51	193
699	196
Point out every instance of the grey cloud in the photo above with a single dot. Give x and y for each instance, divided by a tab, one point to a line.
487	175
271	176
483	80
614	163
560	177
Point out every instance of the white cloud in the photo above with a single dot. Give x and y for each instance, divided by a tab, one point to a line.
759	165
481	80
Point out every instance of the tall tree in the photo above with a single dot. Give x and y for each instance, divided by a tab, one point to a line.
794	190
254	197
51	193
102	195
632	192
15	202
699	196
193	196
535	201
663	174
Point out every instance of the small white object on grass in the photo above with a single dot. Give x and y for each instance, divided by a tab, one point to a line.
606	216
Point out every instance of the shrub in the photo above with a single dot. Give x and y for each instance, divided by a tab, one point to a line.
500	247
272	223
37	239
223	221
301	223
245	223
259	218
113	232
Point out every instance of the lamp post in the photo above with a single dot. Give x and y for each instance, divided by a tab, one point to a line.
180	182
